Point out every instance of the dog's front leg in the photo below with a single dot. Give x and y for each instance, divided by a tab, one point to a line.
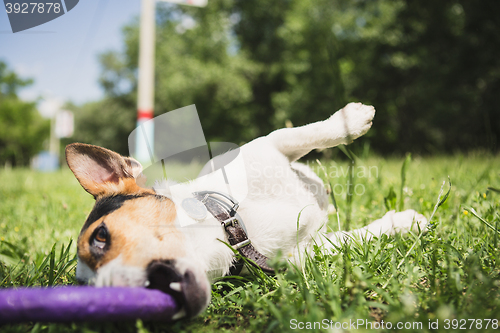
347	124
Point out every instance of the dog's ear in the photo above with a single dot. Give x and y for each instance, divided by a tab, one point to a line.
97	168
136	171
135	168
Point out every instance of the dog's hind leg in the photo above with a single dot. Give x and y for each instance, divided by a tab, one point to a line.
389	224
343	127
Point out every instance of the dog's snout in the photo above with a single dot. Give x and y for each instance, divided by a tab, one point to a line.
161	273
191	295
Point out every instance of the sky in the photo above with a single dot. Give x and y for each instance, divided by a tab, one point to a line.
61	56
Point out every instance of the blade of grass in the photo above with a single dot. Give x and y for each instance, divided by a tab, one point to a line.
52	256
494	189
350	184
403	181
438	204
495	241
332	195
64	261
473	212
302	264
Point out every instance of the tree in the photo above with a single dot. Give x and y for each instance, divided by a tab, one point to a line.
22	129
430	68
300	77
106	123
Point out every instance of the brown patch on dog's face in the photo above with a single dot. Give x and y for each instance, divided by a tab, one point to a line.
130	237
140	229
127	219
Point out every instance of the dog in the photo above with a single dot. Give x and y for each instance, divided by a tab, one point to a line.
133	237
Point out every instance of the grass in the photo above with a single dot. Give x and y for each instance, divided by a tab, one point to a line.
444	278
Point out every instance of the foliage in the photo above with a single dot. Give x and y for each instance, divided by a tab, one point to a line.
300	78
451	272
103	122
22	129
430	68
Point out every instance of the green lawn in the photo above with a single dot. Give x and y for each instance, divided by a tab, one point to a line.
444	278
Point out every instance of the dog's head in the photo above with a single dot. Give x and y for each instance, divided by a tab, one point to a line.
130	237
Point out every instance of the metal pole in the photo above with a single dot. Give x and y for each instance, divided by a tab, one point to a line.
54	142
145	96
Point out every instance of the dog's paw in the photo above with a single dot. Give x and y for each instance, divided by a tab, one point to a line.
354	120
403	222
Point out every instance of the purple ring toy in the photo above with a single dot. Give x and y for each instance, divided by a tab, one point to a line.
74	304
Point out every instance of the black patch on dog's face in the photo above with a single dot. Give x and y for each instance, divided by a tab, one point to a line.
107	205
98	252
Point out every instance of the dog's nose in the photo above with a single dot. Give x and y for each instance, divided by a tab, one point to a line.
184	287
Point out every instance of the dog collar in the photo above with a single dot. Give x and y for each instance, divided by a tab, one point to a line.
223	207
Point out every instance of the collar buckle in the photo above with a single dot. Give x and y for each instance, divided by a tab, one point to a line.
241	244
230	221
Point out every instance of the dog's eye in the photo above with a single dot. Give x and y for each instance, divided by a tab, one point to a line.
101	237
